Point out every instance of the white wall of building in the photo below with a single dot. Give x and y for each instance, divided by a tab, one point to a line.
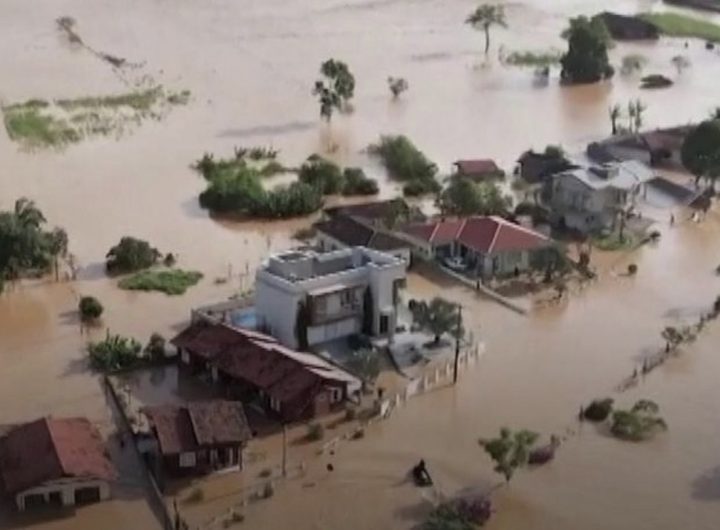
276	299
67	490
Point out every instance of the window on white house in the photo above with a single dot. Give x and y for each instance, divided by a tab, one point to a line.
187	460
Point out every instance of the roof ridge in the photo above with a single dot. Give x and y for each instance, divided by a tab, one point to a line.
517	226
498	227
47	420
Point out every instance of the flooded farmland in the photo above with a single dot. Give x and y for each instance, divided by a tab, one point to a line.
249	66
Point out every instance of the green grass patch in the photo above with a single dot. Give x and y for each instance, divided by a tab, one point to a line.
142	100
39	123
31	127
613	242
168	281
676	25
530	58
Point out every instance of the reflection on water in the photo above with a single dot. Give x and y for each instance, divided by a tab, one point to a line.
250	63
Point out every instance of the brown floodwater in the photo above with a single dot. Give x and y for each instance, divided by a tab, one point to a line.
250	66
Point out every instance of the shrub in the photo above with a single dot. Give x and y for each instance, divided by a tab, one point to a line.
397	85
114	353
407	164
265	473
599	409
170	282
639	423
90	308
169	260
632	269
461	514
130	255
155	348
350	414
357	183
322	174
315	432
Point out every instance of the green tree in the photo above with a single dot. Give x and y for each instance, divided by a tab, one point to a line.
357	183
28	214
58	247
406	163
155	348
90	308
336	87
464	197
639	423
114	353
701	151
438	317
323	174
510	451
586	60
397	86
365	363
486	16
131	255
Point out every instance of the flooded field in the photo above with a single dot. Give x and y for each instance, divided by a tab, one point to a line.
250	67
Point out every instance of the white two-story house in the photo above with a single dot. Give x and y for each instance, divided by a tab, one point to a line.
590	199
304	296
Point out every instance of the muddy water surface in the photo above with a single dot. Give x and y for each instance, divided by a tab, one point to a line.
250	66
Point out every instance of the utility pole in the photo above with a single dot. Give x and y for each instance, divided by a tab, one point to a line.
457	344
284	450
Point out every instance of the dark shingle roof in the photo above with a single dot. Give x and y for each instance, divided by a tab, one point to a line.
203	423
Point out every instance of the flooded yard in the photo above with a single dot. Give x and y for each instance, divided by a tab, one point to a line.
250	67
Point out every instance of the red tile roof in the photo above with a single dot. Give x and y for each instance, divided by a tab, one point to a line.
440	232
477	167
51	449
199	424
293	378
483	234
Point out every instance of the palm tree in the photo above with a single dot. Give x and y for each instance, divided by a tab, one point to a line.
58	246
27	214
484	17
615	114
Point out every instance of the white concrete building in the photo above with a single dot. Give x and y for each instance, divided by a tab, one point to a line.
332	295
590	199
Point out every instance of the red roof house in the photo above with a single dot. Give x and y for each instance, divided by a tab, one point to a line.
491	245
54	461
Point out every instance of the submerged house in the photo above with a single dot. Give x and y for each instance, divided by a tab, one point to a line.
489	247
590	199
478	170
305	298
658	148
252	367
623	27
342	231
54	462
199	437
536	168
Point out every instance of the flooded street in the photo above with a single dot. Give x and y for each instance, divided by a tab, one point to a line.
250	66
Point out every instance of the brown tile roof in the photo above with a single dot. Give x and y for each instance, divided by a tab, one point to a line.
385	241
291	377
51	449
477	167
199	424
483	234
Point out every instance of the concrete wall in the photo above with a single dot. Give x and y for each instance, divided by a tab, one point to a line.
276	299
66	490
327	243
